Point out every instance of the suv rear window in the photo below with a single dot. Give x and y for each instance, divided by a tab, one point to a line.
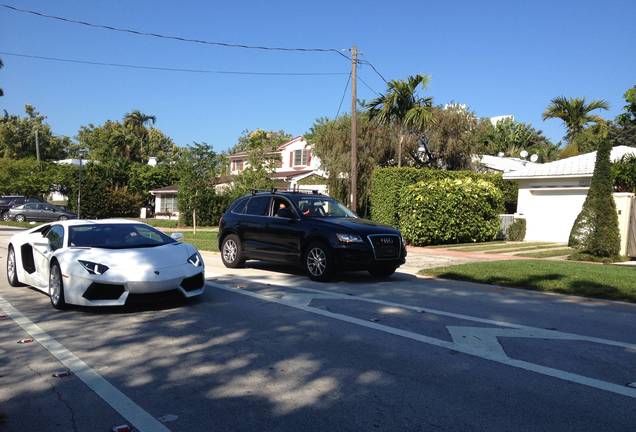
258	206
239	206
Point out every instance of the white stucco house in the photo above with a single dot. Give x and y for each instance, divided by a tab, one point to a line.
298	167
166	204
551	196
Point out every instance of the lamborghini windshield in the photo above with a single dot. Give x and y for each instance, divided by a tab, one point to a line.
116	236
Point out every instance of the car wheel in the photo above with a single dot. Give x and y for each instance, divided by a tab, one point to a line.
12	268
20	218
319	262
232	252
382	271
5	216
56	287
63	218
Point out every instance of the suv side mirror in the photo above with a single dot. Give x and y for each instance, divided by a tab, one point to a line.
285	213
177	236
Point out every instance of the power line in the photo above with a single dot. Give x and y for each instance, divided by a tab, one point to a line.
344	93
163	36
374	69
169	69
367	85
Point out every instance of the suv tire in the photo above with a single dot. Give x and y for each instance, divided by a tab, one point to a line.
318	262
232	252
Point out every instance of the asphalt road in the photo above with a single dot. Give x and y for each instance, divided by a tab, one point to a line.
266	349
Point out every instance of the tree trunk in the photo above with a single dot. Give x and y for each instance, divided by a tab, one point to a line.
401	140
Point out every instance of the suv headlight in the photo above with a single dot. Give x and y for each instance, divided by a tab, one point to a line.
93	268
349	238
196	260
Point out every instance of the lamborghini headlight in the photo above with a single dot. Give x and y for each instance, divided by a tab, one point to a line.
93	268
196	260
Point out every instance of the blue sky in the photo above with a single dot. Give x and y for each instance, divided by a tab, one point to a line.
498	57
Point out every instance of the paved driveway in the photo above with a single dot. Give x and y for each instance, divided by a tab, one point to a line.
266	349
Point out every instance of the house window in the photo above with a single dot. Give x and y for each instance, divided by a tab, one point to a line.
168	204
238	165
301	157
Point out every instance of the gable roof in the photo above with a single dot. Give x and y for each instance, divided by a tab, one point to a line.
166	189
575	166
282	146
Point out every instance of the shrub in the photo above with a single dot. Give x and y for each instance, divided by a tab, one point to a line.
210	206
387	183
595	230
450	211
517	230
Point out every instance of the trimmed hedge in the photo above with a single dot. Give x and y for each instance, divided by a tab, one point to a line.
443	211
387	183
517	230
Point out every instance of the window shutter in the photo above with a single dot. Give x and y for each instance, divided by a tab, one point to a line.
291	159
308	157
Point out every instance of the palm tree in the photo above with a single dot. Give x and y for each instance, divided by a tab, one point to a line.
401	106
138	122
575	113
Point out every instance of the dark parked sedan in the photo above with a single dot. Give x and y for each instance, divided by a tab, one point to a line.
37	212
312	230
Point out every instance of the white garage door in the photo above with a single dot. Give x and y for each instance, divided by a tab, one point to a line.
552	213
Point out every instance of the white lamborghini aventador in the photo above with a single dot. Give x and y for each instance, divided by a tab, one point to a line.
99	263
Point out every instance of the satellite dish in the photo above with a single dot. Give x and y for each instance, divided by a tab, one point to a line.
534	158
523	154
501	154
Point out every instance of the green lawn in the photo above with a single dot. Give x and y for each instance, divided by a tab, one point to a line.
20	224
502	247
590	280
461	245
548	253
204	240
521	248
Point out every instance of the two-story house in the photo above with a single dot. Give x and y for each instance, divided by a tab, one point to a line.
297	166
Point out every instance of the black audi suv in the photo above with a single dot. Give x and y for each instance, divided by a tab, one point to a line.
307	229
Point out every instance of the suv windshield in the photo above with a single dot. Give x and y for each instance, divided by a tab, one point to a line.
322	207
116	236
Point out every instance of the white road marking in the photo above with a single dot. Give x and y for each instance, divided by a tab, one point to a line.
553	334
459	347
142	420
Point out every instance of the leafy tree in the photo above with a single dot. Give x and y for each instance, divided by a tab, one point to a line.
401	106
261	159
576	114
143	178
331	140
115	140
629	116
138	123
595	230
511	137
17	137
199	167
450	138
624	174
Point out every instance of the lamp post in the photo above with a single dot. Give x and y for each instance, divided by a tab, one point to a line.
81	152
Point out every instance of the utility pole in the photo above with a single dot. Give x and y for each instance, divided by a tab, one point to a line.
37	146
354	135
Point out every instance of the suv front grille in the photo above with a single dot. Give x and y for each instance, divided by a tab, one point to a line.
385	246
